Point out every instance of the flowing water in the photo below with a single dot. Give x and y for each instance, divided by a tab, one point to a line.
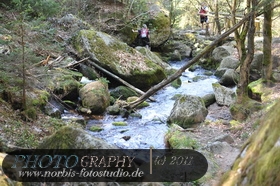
149	131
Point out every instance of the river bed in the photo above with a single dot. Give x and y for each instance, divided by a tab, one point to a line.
149	131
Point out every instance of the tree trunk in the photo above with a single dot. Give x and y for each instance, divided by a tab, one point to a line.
242	87
267	37
207	49
217	20
240	35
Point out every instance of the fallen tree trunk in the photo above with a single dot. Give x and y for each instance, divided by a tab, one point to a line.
176	75
119	79
78	62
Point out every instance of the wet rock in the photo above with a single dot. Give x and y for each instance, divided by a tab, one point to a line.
95	129
126	138
52	111
177	50
220	72
141	105
113	110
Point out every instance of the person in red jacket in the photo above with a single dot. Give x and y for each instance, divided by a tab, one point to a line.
203	15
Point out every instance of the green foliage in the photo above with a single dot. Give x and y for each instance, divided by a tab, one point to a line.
30	113
104	80
37	8
26	139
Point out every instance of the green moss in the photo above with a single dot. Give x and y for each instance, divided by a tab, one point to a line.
241	111
182	99
122	92
41	99
259	163
141	105
256	89
160	22
180	140
119	123
31	113
234	123
95	129
65	138
176	83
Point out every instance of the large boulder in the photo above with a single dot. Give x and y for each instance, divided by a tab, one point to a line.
229	78
177	50
221	52
95	96
188	110
256	67
159	23
118	58
230	62
259	159
223	95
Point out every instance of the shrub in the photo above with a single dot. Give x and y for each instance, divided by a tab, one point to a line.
36	8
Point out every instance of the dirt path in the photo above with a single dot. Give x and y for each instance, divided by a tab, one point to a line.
216	137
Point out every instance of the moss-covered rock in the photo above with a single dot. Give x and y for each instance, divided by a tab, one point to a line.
95	96
73	138
259	90
88	72
241	111
141	105
176	83
177	139
159	22
258	162
119	123
95	129
64	83
118	58
122	92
